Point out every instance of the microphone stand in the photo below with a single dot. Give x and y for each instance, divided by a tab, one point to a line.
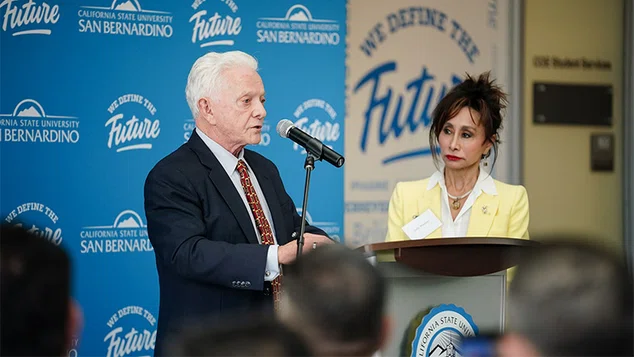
309	165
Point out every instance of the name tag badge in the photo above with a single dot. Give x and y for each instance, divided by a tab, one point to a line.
422	226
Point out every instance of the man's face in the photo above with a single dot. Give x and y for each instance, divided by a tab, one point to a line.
238	108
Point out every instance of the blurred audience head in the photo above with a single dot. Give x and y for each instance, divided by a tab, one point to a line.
569	299
335	298
39	317
254	335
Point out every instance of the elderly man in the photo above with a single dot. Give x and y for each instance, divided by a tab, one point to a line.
219	218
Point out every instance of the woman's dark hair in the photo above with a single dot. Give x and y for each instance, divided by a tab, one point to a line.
483	96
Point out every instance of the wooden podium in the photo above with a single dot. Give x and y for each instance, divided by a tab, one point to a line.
467	272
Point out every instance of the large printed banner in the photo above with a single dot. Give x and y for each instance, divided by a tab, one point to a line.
93	95
402	58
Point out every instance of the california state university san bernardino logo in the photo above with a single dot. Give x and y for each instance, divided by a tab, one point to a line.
441	331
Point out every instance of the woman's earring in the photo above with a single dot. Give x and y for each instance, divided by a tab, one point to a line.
484	158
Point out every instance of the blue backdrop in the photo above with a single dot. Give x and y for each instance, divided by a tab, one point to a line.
92	96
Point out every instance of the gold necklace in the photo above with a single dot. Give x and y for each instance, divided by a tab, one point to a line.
456	199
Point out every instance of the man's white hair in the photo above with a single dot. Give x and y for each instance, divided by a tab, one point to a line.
206	76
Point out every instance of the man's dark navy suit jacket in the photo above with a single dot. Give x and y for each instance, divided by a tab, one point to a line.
207	252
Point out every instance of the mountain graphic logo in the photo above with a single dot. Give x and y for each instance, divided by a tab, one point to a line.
126	5
128	219
30	108
298	13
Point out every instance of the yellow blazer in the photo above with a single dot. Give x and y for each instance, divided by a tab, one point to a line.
506	214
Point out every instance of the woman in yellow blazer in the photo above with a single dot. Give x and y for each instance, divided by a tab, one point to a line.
461	199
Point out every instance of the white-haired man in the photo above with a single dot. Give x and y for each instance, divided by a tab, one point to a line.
218	215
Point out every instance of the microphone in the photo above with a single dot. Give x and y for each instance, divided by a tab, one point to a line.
287	129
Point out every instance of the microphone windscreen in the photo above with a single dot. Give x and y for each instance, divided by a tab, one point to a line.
283	127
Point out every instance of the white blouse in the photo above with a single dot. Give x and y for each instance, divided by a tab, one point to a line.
459	226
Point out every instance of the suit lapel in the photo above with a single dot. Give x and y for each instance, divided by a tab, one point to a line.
224	185
482	214
271	196
431	200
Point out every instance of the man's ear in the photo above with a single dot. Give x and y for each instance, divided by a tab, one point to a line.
75	323
206	110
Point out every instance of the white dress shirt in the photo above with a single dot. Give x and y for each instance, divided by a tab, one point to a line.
229	164
458	227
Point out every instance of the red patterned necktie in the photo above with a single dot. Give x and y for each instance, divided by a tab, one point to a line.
260	221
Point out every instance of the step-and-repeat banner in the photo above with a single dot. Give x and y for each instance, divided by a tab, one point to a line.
402	57
93	95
